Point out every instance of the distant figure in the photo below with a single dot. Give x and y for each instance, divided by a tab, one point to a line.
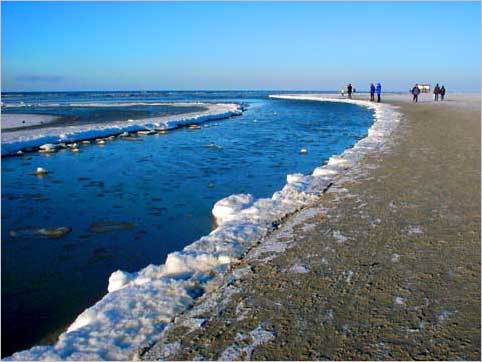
436	92
349	89
415	93
379	91
372	92
342	92
442	93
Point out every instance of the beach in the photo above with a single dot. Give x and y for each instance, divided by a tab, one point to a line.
384	265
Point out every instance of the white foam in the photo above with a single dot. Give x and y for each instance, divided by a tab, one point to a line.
139	305
26	138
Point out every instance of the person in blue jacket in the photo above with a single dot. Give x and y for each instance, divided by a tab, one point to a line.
372	92
379	91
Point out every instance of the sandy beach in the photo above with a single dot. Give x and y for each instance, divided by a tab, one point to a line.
386	265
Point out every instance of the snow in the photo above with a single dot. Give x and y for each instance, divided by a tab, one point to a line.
12	120
228	207
27	138
256	337
138	305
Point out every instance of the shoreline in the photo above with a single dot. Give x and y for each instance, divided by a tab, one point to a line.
197	265
13	142
375	270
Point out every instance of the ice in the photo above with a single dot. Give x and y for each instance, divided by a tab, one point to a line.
27	138
300	269
139	305
41	171
256	337
226	208
339	236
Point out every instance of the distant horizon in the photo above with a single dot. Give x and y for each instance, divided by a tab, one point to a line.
225	90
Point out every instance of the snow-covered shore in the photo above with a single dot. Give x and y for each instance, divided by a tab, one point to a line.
16	120
27	138
139	305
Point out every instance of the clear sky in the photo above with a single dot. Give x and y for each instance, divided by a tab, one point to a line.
305	46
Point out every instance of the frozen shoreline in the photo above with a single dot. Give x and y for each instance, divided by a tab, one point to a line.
346	278
139	305
21	139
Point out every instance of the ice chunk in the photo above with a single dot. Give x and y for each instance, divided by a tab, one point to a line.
118	280
41	171
296	177
228	207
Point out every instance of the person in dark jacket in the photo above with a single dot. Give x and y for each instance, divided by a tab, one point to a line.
436	92
372	92
442	93
415	93
379	91
349	90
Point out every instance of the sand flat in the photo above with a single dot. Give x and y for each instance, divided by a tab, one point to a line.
386	266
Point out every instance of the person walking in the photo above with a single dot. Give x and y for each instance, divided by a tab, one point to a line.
379	91
415	93
442	93
372	92
342	92
436	92
349	89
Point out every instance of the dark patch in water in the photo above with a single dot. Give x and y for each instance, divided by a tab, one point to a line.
109	226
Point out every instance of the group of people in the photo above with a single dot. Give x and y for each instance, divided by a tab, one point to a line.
437	91
373	89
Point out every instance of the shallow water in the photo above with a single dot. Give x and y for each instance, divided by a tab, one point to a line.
130	203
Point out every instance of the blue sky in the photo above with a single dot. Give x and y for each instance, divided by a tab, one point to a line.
305	46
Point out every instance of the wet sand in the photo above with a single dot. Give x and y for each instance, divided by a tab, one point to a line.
386	266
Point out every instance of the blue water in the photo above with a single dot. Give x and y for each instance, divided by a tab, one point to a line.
130	203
